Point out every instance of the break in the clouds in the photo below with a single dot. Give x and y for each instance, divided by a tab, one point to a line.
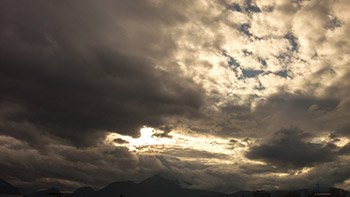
221	95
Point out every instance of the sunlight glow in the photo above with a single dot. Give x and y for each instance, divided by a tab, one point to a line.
340	141
303	171
147	138
195	147
183	145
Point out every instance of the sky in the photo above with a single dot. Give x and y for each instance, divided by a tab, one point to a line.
222	95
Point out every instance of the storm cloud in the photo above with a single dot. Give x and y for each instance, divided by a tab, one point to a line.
222	95
290	149
61	75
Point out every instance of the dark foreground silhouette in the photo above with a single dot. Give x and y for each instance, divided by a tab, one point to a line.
158	186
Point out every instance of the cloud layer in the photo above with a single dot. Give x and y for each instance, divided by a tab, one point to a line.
259	87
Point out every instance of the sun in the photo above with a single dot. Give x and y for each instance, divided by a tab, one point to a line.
146	138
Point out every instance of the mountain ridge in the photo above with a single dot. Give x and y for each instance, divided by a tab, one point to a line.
7	188
159	186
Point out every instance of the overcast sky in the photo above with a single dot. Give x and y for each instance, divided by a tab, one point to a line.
224	94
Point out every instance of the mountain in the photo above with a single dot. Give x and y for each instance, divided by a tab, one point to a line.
155	186
52	191
158	186
7	188
160	182
84	192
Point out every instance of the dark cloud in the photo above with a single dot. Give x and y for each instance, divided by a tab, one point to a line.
290	148
324	174
260	169
164	131
344	130
120	141
65	77
280	110
345	150
64	166
71	71
300	102
299	109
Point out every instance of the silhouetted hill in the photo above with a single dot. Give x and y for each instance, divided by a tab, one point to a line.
7	188
158	186
155	186
84	192
117	188
160	182
44	193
